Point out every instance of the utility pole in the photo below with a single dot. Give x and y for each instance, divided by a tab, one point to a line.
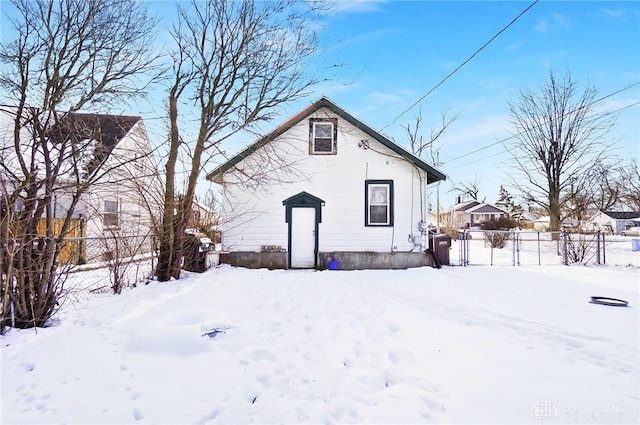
438	196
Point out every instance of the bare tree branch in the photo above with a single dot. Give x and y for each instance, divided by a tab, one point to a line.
630	175
63	56
235	64
560	134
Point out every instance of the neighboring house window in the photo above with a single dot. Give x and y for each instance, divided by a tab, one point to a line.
378	203
323	136
111	214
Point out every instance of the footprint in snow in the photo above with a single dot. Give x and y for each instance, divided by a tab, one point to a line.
27	367
263	355
137	415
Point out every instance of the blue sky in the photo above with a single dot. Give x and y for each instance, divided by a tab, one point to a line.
397	51
394	52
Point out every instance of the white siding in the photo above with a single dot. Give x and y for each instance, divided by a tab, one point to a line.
133	181
136	184
256	217
601	221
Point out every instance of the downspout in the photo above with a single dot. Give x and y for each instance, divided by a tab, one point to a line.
424	231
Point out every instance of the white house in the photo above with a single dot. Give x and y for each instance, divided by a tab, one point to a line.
543	223
124	201
613	221
471	214
119	202
324	185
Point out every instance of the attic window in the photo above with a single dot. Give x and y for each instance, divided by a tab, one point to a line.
323	136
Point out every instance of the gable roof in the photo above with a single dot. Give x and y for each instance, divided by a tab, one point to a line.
100	133
464	206
622	215
528	216
107	130
303	198
485	208
433	175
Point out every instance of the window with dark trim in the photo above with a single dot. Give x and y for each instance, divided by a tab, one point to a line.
111	215
323	134
378	199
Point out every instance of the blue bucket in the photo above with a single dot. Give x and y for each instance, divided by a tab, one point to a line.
635	244
333	264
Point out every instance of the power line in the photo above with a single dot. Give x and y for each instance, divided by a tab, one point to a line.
478	160
465	62
570	112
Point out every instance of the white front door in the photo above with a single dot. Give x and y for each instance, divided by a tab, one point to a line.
303	237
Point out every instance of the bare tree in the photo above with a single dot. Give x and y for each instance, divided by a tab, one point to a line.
64	55
426	148
630	173
235	63
561	133
469	190
605	186
601	189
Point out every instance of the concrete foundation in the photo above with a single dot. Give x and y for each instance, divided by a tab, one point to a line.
346	260
255	260
375	260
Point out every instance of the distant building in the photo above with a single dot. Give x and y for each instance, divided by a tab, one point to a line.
613	221
471	214
114	204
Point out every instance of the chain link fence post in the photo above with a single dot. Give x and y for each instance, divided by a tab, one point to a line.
565	252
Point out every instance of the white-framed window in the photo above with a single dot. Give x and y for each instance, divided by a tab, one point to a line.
378	203
323	136
111	214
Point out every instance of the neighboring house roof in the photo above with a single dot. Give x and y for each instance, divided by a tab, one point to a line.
107	130
103	131
528	216
202	207
476	207
485	209
433	175
464	206
624	215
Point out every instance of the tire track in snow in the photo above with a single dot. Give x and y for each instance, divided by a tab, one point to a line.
584	347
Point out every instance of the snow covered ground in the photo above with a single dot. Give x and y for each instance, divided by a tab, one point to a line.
457	345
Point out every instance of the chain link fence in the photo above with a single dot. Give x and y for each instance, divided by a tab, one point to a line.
522	248
86	266
109	264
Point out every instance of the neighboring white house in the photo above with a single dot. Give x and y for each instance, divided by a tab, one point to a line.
123	201
202	218
323	186
471	214
527	218
119	203
613	221
543	223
